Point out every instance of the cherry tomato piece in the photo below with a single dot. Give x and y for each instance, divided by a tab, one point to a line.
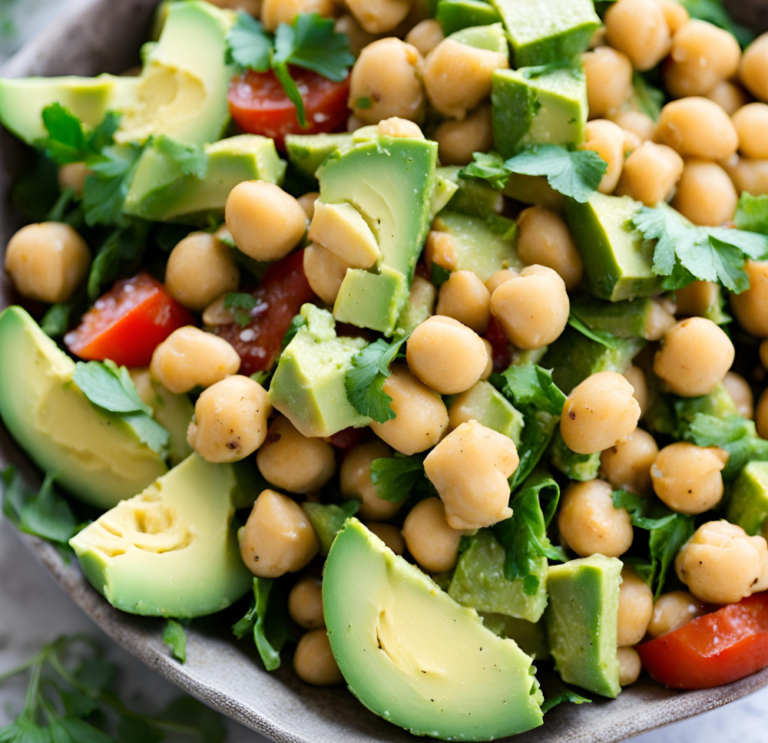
718	648
496	336
128	322
259	105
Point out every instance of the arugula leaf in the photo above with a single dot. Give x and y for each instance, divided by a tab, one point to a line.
752	213
568	696
531	385
601	337
364	381
191	160
241	304
395	478
645	513
176	638
248	44
297	323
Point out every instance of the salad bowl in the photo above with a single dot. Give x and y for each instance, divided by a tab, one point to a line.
106	35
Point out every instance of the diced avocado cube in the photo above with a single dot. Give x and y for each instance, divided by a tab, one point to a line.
328	519
454	15
161	192
546	32
479	581
534	189
530	637
341	229
538	106
372	300
471	196
673	415
483	246
419	307
307	152
491	38
574	357
618	262
582	622
485	404
445	189
632	318
308	384
579	467
748	501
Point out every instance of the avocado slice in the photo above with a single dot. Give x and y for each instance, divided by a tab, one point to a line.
97	456
171	551
479	581
445	189
485	404
455	15
415	657
582	622
534	189
390	181
161	192
618	262
328	519
471	196
419	307
307	152
748	500
542	33
631	318
539	106
308	384
531	637
580	467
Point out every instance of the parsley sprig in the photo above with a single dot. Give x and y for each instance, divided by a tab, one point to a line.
309	42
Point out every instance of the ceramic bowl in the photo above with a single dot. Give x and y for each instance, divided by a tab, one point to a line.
106	36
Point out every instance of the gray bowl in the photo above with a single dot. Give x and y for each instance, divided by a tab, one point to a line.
105	36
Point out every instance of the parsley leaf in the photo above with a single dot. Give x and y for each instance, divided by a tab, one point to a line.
364	381
66	142
241	304
395	478
645	513
752	213
568	696
176	638
105	190
120	253
531	385
489	167
248	44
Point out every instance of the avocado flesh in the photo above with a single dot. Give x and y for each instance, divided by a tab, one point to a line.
579	467
625	319
390	181
541	33
470	195
171	551
534	189
618	262
582	622
161	192
307	152
416	658
95	454
479	581
530	637
454	15
485	404
308	384
532	107
748	501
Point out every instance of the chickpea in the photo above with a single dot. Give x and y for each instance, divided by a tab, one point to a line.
489	365
694	358
761	415
422	417
609	80
230	420
275	12
589	523
307	203
396	127
470	469
379	16
457	77
252	7
425	36
429	538
636	377
741	393
190	358
697	127
764	354
599	413
358	37
73	176
752	71
637	123
697	298
639	29
266	223
313	660
294	462
748	175
751	306
635	608
658	322
672	611
627	464
445	355
630	666
650	173
675	14
465	298
729	96
356	481
751	122
721	564
506	274
200	269
544	240
305	603
607	140
388	77
325	272
532	308
47	262
631	142
705	194
217	314
390	535
458	140
278	538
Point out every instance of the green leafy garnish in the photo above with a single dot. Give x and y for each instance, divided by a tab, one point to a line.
487	166
568	696
604	339
649	99
395	478
364	381
106	189
119	254
190	159
752	213
297	323
175	638
645	513
69	141
363	103
241	304
529	385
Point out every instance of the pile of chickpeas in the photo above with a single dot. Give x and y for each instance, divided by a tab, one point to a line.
709	145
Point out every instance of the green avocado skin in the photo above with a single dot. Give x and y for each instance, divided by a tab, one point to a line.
582	622
748	500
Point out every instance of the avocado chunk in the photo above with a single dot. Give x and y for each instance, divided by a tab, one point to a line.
579	467
479	581
328	520
748	501
415	657
445	189
631	318
534	189
419	307
673	415
618	262
582	622
542	33
97	456
390	181
455	15
531	637
471	196
483	246
307	152
485	404
171	551
492	38
308	384
161	192
538	106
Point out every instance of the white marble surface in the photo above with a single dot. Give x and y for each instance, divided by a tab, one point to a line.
33	610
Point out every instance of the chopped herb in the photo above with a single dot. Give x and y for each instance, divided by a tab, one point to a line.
752	213
363	103
395	478
175	638
297	323
601	337
241	304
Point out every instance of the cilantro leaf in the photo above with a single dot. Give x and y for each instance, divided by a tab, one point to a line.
645	513
568	696
240	304
601	337
395	478
109	387
752	213
489	167
66	142
105	190
248	44
176	638
364	381
291	89
664	543
531	385
297	323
